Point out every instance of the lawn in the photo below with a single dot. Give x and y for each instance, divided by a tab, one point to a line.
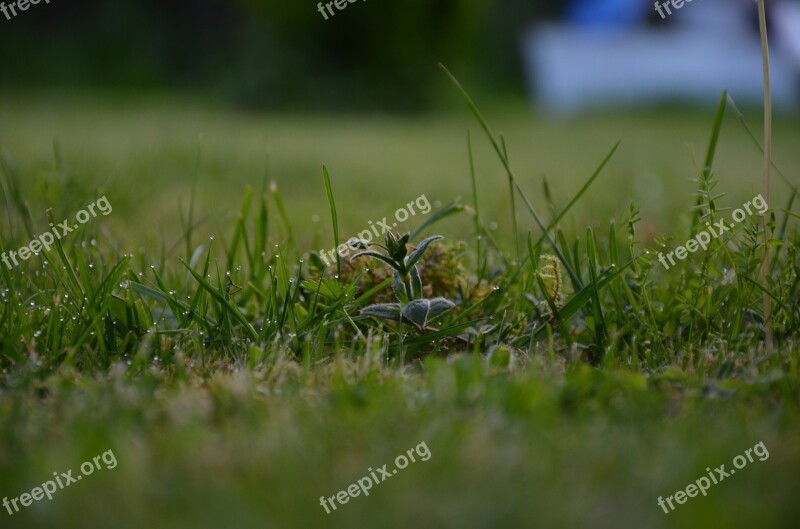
573	383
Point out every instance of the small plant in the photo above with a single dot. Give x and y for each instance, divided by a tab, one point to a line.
407	283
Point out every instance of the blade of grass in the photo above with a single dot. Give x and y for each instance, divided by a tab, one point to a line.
334	218
226	305
484	125
762	25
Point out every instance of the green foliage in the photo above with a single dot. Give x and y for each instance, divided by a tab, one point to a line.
406	283
585	297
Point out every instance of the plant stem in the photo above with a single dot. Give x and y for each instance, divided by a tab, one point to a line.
767	302
407	284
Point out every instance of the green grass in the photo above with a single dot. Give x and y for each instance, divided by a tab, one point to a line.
574	383
144	153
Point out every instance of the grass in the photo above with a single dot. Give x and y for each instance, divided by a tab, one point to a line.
574	383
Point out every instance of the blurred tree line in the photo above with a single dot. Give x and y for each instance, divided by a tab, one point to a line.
270	53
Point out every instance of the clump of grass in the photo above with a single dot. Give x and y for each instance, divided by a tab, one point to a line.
254	295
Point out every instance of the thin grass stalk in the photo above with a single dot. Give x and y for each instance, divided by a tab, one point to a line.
767	302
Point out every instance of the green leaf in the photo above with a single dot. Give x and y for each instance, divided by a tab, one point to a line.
420	310
397	247
376	255
440	305
417	312
399	287
416	283
334	217
386	311
416	255
327	288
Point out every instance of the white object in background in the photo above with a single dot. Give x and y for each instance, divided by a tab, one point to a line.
731	16
570	69
787	29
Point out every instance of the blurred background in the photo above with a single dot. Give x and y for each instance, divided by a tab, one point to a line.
383	55
115	94
270	53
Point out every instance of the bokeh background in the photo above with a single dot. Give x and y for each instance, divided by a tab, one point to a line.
270	54
141	98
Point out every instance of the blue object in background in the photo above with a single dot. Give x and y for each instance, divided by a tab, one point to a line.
608	14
